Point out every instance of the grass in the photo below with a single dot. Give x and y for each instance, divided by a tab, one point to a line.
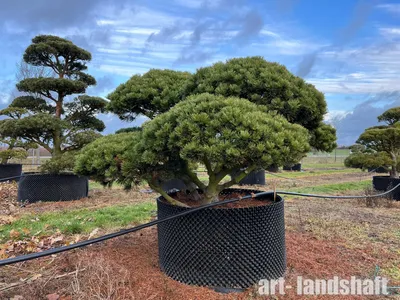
311	165
317	173
335	188
81	221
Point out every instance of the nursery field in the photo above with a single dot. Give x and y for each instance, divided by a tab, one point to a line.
324	238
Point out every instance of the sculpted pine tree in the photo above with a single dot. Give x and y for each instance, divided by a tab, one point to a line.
381	144
45	116
223	134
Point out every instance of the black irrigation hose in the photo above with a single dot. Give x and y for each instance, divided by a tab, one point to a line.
23	258
11	178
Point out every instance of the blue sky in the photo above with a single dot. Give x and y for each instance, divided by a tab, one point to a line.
348	49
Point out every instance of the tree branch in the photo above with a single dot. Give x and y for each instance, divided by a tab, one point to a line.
237	178
167	197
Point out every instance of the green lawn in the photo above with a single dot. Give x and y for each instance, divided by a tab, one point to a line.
316	173
79	221
335	188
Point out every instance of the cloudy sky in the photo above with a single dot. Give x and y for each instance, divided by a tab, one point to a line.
348	49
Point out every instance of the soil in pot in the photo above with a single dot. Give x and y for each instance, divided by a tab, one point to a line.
224	247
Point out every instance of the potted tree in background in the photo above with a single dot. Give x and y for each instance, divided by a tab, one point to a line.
16	150
366	159
230	247
382	148
49	118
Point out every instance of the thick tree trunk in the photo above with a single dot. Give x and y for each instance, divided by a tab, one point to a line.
211	193
58	109
393	171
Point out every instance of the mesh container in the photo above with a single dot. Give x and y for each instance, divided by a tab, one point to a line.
254	178
10	170
173	184
296	167
49	187
231	248
385	183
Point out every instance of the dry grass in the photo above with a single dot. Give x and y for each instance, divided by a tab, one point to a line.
325	238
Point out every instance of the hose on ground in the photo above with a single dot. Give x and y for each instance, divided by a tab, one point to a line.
53	251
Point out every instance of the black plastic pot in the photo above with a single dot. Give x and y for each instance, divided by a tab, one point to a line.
254	178
385	183
48	187
173	184
378	170
273	169
10	170
223	248
296	167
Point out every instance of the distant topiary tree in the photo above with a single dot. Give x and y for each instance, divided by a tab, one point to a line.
44	116
223	134
16	149
381	144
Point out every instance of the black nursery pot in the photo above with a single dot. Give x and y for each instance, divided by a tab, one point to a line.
378	170
296	167
173	184
10	170
223	248
385	183
52	187
254	178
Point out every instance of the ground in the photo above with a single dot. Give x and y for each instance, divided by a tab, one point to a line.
324	238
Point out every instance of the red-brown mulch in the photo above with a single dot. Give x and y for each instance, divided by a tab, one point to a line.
131	263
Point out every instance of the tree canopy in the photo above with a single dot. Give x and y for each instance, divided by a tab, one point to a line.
381	143
44	115
269	84
149	94
252	78
224	134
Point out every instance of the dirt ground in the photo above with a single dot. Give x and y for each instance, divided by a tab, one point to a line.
324	238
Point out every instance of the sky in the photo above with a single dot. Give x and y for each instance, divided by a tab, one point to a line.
348	49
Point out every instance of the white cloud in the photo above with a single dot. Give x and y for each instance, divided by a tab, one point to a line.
335	115
4	97
391	32
391	7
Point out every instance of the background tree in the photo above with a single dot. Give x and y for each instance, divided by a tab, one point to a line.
272	85
129	129
382	144
44	116
149	94
16	149
224	134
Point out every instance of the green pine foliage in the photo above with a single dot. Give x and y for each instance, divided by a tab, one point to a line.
149	94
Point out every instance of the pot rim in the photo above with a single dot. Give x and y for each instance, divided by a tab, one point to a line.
386	176
280	201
